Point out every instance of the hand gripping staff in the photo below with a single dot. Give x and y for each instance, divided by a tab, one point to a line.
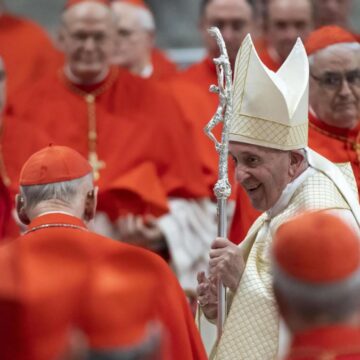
222	189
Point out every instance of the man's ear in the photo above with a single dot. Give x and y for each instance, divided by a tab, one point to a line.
90	204
20	209
296	159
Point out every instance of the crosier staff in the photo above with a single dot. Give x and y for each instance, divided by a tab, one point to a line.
222	188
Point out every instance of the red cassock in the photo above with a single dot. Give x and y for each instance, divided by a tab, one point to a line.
137	121
26	50
333	343
60	276
164	68
266	57
336	144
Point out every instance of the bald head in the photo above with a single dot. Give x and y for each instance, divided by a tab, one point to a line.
234	18
286	20
86	10
87	40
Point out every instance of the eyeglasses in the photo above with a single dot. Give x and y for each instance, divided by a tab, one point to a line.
334	80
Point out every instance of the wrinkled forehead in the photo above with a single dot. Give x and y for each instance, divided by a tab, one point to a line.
238	148
224	9
336	58
289	7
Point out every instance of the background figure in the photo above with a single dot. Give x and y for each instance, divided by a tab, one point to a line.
333	12
284	22
120	122
334	114
319	300
135	41
26	50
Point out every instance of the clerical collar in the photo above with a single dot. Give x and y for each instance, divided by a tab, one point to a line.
318	124
55	212
147	71
91	88
288	192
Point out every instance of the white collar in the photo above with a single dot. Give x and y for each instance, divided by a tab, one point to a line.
147	71
288	192
56	212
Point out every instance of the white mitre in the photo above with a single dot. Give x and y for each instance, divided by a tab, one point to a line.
270	109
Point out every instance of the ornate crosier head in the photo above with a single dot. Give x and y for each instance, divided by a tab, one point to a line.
223	114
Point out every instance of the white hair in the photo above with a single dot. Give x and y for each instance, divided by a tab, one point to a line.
345	46
333	302
144	16
66	191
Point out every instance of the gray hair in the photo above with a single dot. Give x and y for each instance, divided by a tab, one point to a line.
346	46
144	16
66	191
331	302
146	19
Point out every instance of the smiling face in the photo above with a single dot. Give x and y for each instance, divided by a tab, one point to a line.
262	172
87	39
338	106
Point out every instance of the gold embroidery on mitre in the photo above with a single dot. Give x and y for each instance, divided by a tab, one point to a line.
269	110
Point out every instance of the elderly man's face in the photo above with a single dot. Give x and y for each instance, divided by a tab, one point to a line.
133	43
87	38
332	12
287	20
262	172
335	86
233	18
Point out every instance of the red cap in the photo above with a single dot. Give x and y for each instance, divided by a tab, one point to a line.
317	248
139	3
138	192
70	3
54	164
327	36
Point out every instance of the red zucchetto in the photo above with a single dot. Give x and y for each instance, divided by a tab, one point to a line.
54	164
327	36
317	248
